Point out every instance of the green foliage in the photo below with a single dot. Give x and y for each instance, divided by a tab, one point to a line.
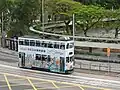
22	15
2	5
65	9
88	16
108	4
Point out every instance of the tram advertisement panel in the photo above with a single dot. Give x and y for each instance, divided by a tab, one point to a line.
45	58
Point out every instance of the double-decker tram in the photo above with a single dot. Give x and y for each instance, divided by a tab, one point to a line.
54	55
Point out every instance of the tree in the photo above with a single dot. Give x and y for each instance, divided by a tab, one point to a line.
2	5
89	16
112	21
23	13
65	9
108	4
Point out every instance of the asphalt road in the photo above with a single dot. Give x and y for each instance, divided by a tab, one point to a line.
14	78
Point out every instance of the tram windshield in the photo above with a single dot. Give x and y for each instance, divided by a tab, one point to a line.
69	45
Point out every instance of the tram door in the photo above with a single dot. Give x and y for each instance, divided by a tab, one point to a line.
62	64
22	56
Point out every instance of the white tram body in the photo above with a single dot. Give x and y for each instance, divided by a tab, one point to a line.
54	55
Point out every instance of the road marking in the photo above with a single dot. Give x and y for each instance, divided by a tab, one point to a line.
54	85
81	87
7	82
32	84
36	83
69	76
24	77
55	88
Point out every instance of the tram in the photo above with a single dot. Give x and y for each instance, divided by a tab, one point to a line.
53	55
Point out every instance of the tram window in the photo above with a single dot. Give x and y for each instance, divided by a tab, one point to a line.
50	45
62	46
70	53
21	43
19	54
27	42
44	57
56	46
49	58
67	59
70	59
38	43
44	44
71	45
67	46
32	43
38	57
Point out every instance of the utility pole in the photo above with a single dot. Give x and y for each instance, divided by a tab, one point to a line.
73	26
2	32
43	19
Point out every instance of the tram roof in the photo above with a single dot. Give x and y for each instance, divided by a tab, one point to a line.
42	38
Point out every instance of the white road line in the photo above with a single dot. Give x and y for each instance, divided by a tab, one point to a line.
70	76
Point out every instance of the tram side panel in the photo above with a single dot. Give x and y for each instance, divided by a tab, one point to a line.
54	60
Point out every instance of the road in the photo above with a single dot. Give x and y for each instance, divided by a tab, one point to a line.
14	78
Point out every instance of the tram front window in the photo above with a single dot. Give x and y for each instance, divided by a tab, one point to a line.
69	45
